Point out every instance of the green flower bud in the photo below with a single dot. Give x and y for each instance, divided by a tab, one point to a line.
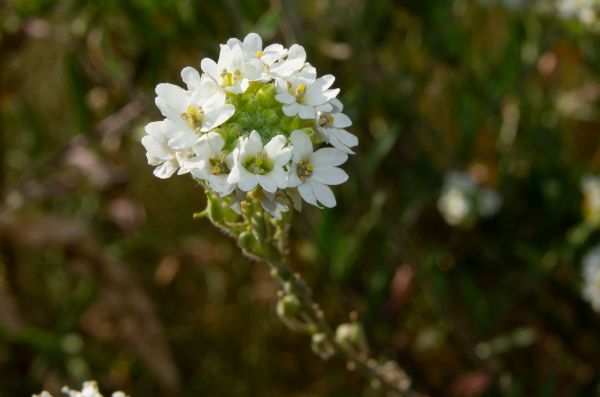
245	240
350	335
321	346
215	210
289	306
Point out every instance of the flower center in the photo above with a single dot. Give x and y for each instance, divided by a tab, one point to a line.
259	165
259	54
304	169
298	93
193	116
325	121
218	166
229	79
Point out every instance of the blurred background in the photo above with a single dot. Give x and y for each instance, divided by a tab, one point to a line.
458	239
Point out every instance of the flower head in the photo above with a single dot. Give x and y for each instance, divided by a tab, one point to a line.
259	122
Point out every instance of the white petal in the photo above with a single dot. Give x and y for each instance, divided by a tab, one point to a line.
252	43
291	109
166	170
267	183
306	112
285	98
323	193
247	181
191	78
328	157
302	145
330	175
340	120
235	175
307	194
184	140
280	177
347	138
210	67
216	116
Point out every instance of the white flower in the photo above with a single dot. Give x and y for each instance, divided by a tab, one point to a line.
304	96
590	186
234	71
159	153
584	10
591	278
89	389
463	201
193	112
252	48
257	165
331	127
312	172
294	62
213	164
455	206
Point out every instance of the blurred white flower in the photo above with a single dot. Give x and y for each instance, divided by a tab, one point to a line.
463	201
89	389
590	186
591	278
586	11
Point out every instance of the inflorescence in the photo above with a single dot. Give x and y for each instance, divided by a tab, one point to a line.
259	121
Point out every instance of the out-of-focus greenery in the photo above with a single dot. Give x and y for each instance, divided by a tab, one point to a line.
104	274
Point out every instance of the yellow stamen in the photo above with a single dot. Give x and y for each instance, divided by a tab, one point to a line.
259	54
193	116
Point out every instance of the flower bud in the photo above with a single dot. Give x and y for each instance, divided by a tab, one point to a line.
350	336
245	240
215	210
289	306
321	346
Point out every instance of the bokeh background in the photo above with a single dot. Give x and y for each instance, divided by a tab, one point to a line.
105	275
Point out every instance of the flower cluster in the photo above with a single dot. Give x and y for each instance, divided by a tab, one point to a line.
89	389
591	278
259	119
463	201
586	11
590	187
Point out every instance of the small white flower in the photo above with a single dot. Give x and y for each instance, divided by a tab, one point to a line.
455	206
463	201
257	165
234	71
304	96
89	389
312	172
252	48
293	63
331	127
159	153
590	186
591	278
213	164
193	112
